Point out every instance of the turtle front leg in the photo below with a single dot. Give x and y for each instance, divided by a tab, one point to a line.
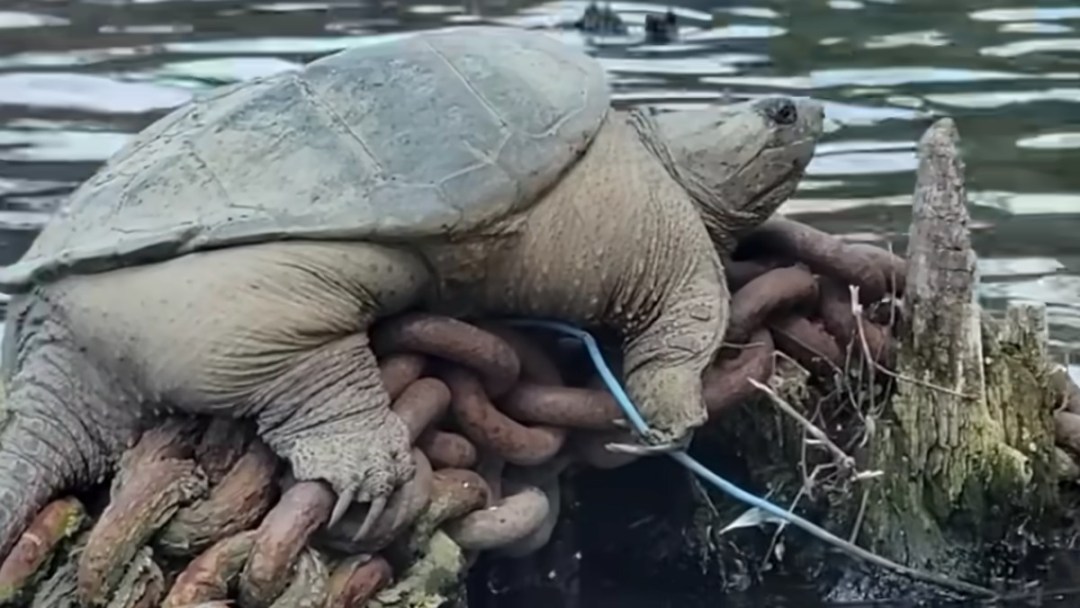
329	417
664	361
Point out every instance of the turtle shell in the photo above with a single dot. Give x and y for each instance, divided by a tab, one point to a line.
429	134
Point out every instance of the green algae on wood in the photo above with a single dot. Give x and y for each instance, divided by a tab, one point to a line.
435	580
48	535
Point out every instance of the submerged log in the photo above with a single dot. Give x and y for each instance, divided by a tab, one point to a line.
966	443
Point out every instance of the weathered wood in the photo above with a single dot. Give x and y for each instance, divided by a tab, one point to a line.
1020	393
966	442
943	339
44	540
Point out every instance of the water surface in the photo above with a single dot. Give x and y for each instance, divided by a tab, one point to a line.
78	77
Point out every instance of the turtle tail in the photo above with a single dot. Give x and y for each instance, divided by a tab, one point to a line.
58	428
33	469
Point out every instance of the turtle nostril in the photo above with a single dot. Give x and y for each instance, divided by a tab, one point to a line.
782	111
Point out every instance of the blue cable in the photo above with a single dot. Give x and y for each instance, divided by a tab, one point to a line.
726	486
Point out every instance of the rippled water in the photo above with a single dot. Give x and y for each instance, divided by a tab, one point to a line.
77	78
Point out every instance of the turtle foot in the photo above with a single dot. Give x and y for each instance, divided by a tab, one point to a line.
363	466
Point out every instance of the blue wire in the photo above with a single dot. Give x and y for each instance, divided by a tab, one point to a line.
726	486
639	423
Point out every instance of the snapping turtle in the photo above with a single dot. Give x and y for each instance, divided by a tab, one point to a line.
231	258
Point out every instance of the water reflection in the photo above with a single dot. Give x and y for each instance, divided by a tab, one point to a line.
1040	13
11	19
86	93
77	79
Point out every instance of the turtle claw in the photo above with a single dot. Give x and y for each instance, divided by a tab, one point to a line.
375	511
650	449
360	467
639	450
344	501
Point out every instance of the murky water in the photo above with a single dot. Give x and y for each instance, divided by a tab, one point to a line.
79	77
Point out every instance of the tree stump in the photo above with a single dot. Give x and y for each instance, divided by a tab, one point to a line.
967	442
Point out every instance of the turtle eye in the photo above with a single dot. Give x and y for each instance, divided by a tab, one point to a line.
782	111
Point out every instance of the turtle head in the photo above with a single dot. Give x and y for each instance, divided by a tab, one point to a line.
738	161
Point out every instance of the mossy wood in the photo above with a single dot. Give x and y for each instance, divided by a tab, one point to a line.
966	443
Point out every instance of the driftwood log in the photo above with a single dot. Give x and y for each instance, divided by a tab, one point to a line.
834	349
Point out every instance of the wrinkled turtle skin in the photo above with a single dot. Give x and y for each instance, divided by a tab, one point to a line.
232	257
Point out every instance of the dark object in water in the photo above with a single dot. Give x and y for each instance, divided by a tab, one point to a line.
661	30
598	20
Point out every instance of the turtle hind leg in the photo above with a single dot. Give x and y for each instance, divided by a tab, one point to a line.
329	417
63	423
